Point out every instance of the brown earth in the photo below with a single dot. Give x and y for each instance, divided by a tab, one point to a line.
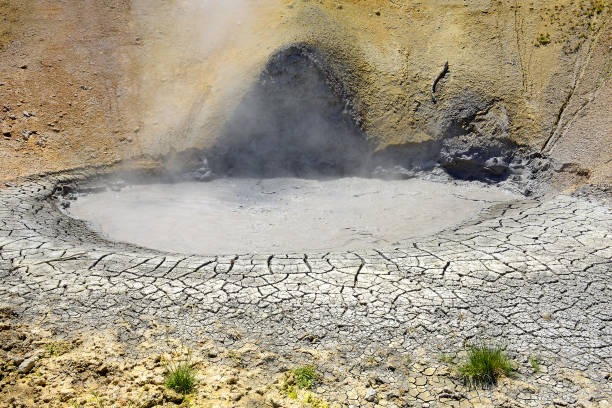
93	82
96	370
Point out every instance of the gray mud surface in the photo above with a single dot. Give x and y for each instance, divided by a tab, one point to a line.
243	215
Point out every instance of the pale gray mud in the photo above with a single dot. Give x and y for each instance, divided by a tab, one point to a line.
245	215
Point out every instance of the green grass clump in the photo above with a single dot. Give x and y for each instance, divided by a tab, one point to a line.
305	377
301	378
542	39
181	377
484	365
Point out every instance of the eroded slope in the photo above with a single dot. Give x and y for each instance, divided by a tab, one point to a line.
108	80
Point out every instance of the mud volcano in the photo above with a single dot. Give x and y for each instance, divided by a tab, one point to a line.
293	174
295	232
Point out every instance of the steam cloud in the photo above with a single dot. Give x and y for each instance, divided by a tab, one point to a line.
292	123
186	68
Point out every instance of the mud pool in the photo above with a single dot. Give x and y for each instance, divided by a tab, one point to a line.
235	215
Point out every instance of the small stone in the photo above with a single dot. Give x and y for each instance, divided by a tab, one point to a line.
66	394
103	370
393	394
559	403
426	396
447	392
371	395
158	380
377	12
17	360
24	66
273	403
151	399
236	396
27	365
173	396
546	316
421	381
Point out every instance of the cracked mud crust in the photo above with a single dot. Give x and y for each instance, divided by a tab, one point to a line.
533	275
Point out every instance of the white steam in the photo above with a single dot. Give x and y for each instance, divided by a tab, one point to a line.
187	66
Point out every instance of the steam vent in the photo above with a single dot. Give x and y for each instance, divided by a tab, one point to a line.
305	204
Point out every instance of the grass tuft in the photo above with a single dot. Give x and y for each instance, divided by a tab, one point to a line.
535	364
181	377
305	377
302	378
484	365
542	39
58	348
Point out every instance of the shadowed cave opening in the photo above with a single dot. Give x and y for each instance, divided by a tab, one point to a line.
295	121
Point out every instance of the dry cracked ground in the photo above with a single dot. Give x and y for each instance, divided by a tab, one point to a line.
382	327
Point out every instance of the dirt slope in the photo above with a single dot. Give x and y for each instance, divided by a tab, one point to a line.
93	82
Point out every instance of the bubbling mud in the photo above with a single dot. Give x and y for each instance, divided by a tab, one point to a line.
280	215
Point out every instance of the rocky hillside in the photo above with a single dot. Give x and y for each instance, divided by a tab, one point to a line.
93	82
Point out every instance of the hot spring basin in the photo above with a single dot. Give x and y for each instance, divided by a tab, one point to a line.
234	216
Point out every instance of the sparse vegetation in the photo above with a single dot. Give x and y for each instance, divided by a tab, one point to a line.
181	376
97	400
58	348
292	392
235	356
447	357
301	378
535	364
484	365
542	39
316	402
305	377
597	6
